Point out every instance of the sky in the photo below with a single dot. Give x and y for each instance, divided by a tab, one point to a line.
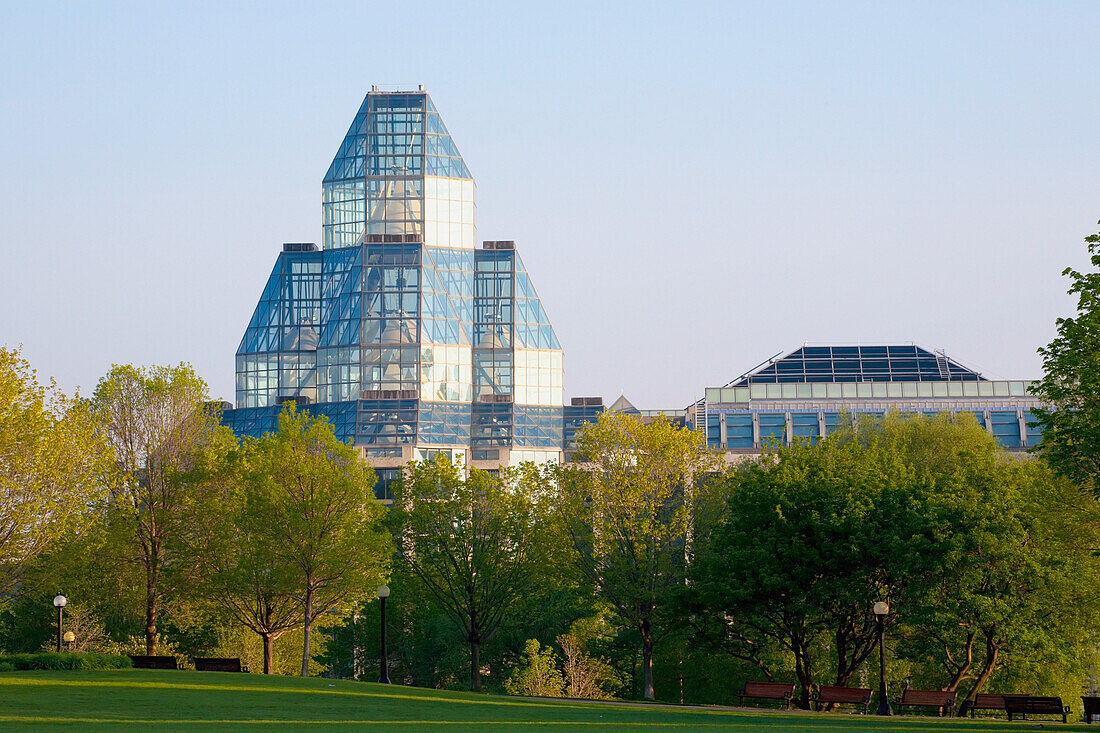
694	187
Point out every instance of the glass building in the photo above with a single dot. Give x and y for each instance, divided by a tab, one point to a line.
807	392
408	337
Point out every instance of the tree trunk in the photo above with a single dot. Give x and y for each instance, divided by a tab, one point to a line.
269	652
647	660
150	613
988	666
307	627
803	673
475	663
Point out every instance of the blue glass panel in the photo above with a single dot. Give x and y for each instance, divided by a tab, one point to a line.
1006	428
739	431
773	427
805	425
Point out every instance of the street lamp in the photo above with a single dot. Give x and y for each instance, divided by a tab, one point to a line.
70	637
59	601
881	609
384	671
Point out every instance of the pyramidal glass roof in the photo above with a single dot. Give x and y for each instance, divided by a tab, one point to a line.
397	133
532	325
908	363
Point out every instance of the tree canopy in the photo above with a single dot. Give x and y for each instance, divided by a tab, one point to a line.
477	544
630	506
53	466
1071	383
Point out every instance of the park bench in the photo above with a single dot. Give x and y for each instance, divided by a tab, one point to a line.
844	696
984	701
1035	705
1092	708
147	662
218	664
939	699
767	691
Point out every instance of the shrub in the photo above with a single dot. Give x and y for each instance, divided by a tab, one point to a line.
53	660
538	674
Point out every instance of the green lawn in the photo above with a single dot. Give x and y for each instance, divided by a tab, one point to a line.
140	700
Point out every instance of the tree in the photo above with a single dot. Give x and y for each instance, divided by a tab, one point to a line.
162	431
316	495
1012	588
585	677
802	555
52	466
243	569
980	554
478	545
630	508
1071	383
538	674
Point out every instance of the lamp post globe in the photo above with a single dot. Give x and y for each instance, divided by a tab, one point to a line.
59	602
383	657
882	608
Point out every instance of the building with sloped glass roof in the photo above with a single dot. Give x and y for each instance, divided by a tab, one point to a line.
808	392
408	336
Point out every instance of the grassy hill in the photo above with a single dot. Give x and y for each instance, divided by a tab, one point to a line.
140	700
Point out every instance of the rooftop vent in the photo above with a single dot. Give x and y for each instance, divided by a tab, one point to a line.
500	244
586	402
299	247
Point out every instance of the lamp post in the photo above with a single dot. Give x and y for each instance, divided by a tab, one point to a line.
70	637
881	609
59	602
384	667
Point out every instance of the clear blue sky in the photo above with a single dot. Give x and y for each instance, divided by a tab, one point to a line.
693	186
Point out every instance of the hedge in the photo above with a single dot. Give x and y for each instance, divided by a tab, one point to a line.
65	660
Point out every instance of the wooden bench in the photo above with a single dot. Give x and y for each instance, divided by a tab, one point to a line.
844	696
983	701
1092	708
147	662
940	699
767	691
1035	705
218	664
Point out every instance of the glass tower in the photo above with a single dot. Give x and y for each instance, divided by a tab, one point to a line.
408	337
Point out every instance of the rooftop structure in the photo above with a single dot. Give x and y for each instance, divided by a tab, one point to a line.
807	392
410	339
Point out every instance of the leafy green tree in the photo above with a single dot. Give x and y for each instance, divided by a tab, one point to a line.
1012	590
315	495
1071	383
985	558
803	554
230	540
538	674
162	432
52	467
630	508
478	545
